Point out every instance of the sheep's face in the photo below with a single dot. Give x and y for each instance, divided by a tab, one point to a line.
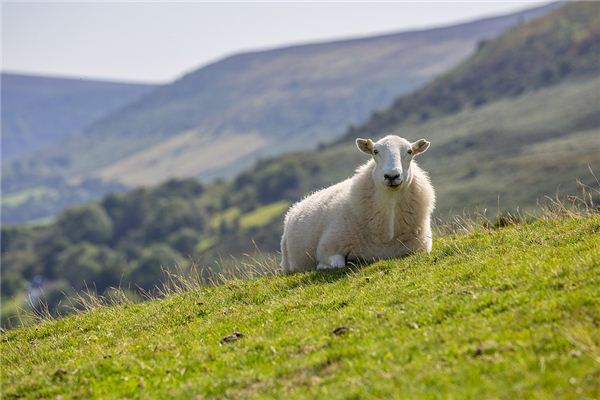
392	156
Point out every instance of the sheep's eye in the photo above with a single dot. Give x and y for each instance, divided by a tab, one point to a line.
409	151
375	151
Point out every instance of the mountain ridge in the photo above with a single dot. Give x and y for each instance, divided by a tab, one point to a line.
563	43
39	110
243	94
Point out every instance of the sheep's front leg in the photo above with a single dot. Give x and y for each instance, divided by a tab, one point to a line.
336	261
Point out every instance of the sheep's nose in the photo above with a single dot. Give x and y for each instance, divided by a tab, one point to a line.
391	177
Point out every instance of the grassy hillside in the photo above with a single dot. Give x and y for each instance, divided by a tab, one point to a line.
39	111
507	154
506	313
270	101
563	44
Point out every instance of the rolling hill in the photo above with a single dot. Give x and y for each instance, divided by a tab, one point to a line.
505	154
40	111
219	119
507	313
561	45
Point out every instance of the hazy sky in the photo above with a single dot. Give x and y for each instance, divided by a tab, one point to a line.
159	41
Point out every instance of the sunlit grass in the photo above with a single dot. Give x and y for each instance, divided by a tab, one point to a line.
227	216
263	215
496	313
35	193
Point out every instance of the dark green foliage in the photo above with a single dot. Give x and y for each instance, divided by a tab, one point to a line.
15	238
25	263
184	240
171	215
185	188
88	223
128	211
149	269
86	265
56	297
107	244
12	283
272	181
128	239
145	211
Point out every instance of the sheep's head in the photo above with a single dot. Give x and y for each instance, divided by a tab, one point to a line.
393	156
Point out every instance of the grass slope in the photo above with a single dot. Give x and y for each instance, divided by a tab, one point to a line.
508	313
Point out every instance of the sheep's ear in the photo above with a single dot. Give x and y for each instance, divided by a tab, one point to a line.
420	146
365	145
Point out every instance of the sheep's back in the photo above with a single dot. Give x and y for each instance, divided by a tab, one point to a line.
319	206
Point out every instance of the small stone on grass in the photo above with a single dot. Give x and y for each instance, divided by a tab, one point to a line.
232	338
341	330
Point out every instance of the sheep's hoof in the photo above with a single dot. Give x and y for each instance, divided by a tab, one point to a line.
336	261
324	266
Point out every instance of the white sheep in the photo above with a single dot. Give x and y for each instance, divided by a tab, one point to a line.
383	211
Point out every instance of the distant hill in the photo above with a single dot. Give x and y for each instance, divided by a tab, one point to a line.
560	45
219	119
38	111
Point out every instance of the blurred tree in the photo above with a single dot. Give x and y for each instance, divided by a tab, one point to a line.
11	282
86	223
16	238
184	240
149	271
172	214
25	263
128	211
54	295
80	265
185	188
272	181
48	248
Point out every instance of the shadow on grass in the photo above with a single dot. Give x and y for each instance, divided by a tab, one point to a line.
324	276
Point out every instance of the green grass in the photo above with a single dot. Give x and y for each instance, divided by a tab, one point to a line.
263	215
206	243
228	216
38	192
256	218
507	313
